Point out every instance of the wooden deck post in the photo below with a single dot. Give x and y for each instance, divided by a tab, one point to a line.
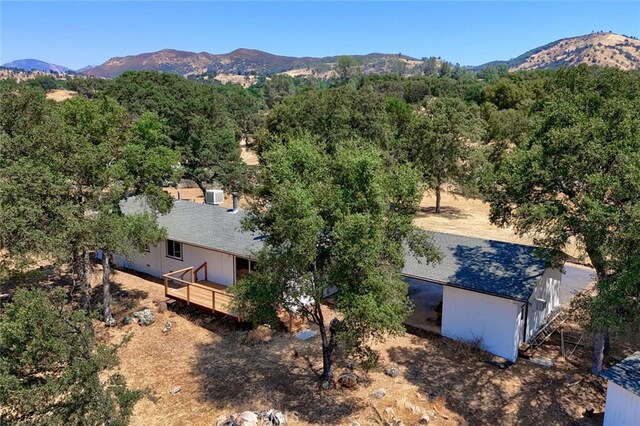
166	286
213	301
188	299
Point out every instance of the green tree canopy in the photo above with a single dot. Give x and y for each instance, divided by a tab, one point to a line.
347	67
334	222
330	116
578	177
51	369
198	122
440	142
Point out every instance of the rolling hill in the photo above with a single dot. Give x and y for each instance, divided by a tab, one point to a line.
35	64
242	65
243	62
604	49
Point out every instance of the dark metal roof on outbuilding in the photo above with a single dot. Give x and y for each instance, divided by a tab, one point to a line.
496	268
626	373
485	266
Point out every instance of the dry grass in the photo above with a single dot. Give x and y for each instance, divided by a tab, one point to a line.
247	154
60	95
469	217
604	49
220	373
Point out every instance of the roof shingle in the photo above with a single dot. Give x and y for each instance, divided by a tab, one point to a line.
496	268
626	373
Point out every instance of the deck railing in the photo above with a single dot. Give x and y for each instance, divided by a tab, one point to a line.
207	295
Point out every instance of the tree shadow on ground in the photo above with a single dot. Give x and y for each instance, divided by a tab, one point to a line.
122	300
448	212
484	394
241	376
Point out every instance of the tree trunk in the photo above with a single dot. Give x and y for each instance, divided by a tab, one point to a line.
598	352
607	343
326	353
202	188
106	289
438	196
84	277
601	337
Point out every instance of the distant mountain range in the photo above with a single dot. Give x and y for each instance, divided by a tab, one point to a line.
35	64
605	49
244	62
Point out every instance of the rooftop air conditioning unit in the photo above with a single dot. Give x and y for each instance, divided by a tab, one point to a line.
214	196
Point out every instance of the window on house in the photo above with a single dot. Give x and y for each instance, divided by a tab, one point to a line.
243	267
174	249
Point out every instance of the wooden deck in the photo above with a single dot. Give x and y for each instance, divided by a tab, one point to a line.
184	285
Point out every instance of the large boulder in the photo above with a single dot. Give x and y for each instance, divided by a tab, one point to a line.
273	418
145	316
247	418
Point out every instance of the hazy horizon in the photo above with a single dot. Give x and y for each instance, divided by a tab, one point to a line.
77	34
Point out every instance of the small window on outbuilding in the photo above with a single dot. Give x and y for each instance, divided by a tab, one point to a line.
174	249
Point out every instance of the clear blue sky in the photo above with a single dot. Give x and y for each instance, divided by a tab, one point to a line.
76	34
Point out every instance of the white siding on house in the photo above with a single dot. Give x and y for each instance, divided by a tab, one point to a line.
148	263
548	289
468	316
220	266
622	408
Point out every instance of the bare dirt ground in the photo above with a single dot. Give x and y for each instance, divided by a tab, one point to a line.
220	373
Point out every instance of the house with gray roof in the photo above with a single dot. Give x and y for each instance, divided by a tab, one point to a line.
493	293
623	393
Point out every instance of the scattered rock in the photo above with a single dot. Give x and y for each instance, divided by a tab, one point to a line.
326	385
545	362
273	418
424	419
168	326
261	334
247	418
348	380
176	390
226	421
110	322
145	316
379	393
412	407
128	319
251	418
162	307
392	370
